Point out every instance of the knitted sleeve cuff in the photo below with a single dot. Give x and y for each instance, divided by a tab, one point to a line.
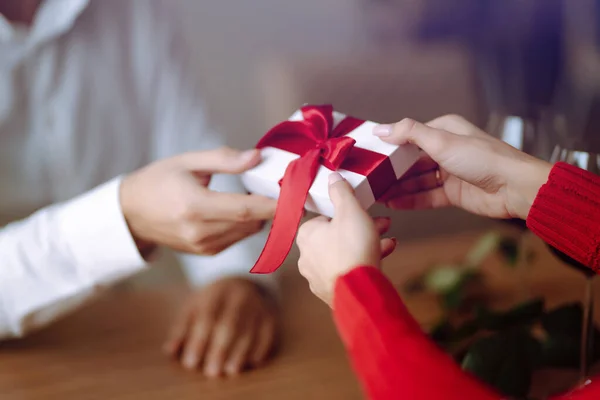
566	213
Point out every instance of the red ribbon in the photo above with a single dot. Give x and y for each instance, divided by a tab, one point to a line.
317	143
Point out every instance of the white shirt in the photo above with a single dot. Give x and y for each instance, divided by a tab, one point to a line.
92	90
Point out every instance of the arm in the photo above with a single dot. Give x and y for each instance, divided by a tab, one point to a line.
566	213
53	261
389	352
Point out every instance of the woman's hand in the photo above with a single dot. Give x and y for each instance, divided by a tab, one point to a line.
466	168
330	248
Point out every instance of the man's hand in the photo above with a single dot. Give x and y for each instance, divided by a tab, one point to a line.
168	203
224	328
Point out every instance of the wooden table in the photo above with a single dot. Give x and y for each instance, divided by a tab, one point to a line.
111	349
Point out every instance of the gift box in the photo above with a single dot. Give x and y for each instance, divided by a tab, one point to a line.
298	156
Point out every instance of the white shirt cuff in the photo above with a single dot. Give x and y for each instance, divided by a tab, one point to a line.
97	235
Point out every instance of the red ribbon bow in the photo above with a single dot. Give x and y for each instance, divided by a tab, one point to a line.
316	141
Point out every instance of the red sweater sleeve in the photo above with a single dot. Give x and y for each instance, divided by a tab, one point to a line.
390	354
566	213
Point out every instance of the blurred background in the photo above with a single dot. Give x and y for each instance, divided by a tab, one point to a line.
525	70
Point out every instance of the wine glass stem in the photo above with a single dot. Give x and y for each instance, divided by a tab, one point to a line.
587	331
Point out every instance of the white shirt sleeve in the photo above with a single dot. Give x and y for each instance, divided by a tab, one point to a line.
61	256
180	125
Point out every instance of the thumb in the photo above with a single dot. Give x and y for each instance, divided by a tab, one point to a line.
342	195
224	160
432	141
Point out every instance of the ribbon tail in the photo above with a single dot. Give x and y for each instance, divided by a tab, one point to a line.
297	180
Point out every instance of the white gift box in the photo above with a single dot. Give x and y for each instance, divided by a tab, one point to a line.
264	178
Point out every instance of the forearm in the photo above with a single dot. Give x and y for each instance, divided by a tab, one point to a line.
59	257
390	354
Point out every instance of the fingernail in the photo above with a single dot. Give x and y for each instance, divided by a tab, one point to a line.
190	361
231	369
382	130
212	370
335	177
248	155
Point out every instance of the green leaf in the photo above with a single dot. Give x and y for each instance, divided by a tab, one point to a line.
562	346
465	331
452	296
524	313
442	332
445	334
561	351
505	360
444	278
509	249
487	244
564	320
452	299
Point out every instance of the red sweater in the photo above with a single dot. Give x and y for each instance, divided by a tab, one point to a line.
394	359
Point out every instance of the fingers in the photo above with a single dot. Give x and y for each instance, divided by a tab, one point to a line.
432	141
212	231
264	342
221	342
237	207
425	164
455	124
306	229
178	332
224	160
435	198
219	241
202	318
342	194
382	224
226	333
197	343
239	352
414	184
234	329
387	246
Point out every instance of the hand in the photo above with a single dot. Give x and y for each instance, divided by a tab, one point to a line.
330	248
168	202
224	328
477	172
